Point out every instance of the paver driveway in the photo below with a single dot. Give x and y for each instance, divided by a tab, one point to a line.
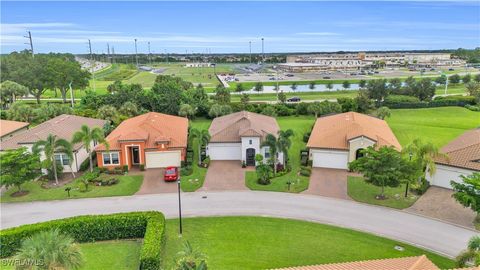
328	182
153	183
225	175
438	203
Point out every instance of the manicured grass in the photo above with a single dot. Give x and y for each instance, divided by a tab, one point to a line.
437	125
266	243
361	191
195	180
196	75
128	185
121	255
300	125
146	79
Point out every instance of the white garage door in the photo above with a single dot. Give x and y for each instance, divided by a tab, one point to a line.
444	174
330	159
225	151
162	159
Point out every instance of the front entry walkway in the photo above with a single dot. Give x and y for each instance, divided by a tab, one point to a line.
329	183
225	175
153	183
438	203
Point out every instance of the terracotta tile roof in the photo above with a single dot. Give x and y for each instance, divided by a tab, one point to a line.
231	127
335	131
463	152
8	126
151	127
406	263
63	126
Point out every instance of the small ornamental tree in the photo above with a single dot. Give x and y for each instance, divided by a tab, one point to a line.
282	97
258	87
384	167
467	192
18	166
263	170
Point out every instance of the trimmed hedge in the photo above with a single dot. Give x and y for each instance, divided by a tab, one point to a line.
147	225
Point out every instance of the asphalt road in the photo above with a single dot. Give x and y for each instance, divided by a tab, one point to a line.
437	236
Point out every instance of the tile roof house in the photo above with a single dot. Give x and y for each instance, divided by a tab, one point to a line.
154	139
63	126
463	158
405	263
337	139
238	136
8	128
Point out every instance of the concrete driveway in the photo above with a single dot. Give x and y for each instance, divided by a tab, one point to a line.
423	232
329	183
225	175
438	203
153	183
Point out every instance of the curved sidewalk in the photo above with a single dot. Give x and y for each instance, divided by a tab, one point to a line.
440	237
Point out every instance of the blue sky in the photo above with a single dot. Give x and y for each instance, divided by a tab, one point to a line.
228	26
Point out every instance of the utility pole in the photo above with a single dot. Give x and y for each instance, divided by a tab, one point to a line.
136	57
108	53
29	36
166	54
149	54
92	65
113	55
263	52
250	45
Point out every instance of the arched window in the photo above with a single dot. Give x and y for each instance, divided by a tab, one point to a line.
359	153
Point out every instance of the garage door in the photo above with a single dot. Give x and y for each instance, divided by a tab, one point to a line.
162	159
225	151
444	174
330	159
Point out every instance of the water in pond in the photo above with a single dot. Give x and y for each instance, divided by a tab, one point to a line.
302	88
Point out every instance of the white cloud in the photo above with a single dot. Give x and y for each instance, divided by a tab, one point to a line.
317	34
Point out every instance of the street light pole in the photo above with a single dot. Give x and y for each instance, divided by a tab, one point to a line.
179	207
406	188
136	56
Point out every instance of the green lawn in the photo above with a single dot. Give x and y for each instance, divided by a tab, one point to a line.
265	243
436	125
195	180
128	185
364	192
146	79
114	255
196	75
300	125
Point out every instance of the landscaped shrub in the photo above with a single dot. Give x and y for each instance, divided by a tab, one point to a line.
142	167
305	171
186	171
306	136
50	175
421	188
459	99
125	168
401	99
473	108
206	162
86	163
147	225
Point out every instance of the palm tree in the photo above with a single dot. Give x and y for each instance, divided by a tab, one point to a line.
203	138
53	249
284	143
86	136
471	255
281	143
424	154
190	259
49	147
271	142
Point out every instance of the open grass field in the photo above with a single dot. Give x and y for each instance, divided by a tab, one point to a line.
364	192
265	243
300	125
128	185
436	125
114	255
196	75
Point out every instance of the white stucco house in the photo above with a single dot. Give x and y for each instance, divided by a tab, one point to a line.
337	140
463	158
63	126
239	136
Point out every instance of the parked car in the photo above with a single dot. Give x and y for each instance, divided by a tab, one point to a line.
293	99
326	77
451	69
289	75
170	174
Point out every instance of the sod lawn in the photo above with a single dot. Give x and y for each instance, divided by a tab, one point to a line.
266	243
437	125
115	255
300	125
128	185
361	191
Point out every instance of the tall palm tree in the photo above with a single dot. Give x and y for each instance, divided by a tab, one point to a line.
203	138
424	154
281	143
284	143
272	143
471	255
190	259
86	136
49	147
53	249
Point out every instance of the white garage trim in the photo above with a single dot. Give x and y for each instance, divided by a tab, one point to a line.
163	159
224	151
444	174
329	158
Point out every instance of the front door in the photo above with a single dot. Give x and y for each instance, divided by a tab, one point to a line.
250	157
135	155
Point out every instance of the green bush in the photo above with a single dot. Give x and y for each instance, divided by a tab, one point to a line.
147	225
473	108
125	168
401	99
86	163
305	171
186	171
457	98
142	167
